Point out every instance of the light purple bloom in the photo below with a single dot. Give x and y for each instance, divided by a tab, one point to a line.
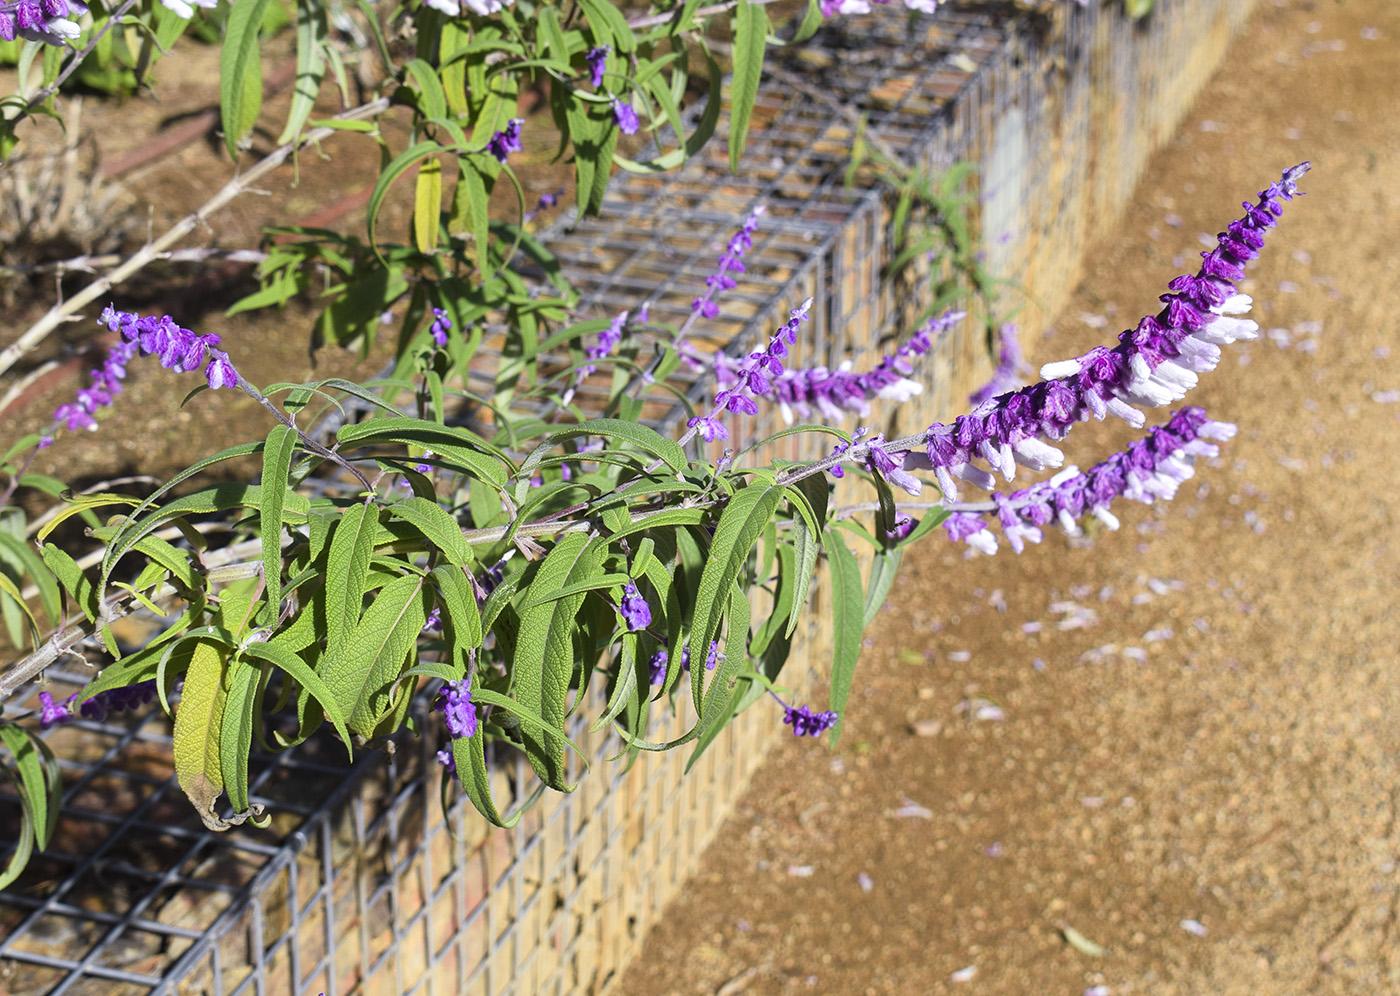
434	621
625	117
446	759
1011	370
713	658
891	466
656	667
634	608
506	141
709	428
220	372
47	21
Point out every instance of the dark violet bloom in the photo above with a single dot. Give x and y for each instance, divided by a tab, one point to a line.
506	141
50	712
128	698
1154	364
625	117
597	61
106	385
454	701
545	202
442	324
179	349
634	608
806	723
445	758
434	622
656	667
713	658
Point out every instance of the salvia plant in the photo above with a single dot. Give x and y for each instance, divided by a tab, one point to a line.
520	558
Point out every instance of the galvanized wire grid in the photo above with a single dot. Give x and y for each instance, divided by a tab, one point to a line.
359	886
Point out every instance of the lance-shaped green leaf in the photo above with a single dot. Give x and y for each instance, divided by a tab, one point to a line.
312	34
277	463
198	723
363	675
24	844
240	72
743	519
721	695
71	576
308	679
36	571
347	571
750	38
544	652
883	570
810	497
241	682
39	777
469	753
474	456
463	615
848	623
436	525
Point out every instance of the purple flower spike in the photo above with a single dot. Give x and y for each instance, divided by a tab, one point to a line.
634	608
458	712
506	141
730	261
597	61
709	428
891	467
1154	364
625	117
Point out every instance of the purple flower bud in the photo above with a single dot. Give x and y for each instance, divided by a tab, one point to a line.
709	428
442	323
447	760
29	15
7	26
455	703
597	61
805	723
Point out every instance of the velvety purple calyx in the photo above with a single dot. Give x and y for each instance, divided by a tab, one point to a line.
454	701
51	712
442	324
806	723
445	758
625	117
634	608
656	667
597	61
891	466
506	141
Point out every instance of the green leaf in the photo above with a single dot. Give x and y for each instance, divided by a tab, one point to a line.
469	753
236	730
743	519
543	664
427	206
277	462
750	39
608	25
437	526
363	676
36	571
847	625
24	846
644	438
198	723
468	453
720	698
399	165
455	592
312	35
74	581
292	664
432	99
347	569
240	72
39	775
883	570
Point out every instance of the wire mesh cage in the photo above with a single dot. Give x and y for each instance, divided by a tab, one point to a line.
368	882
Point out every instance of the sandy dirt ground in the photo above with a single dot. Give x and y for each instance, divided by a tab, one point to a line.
1198	767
